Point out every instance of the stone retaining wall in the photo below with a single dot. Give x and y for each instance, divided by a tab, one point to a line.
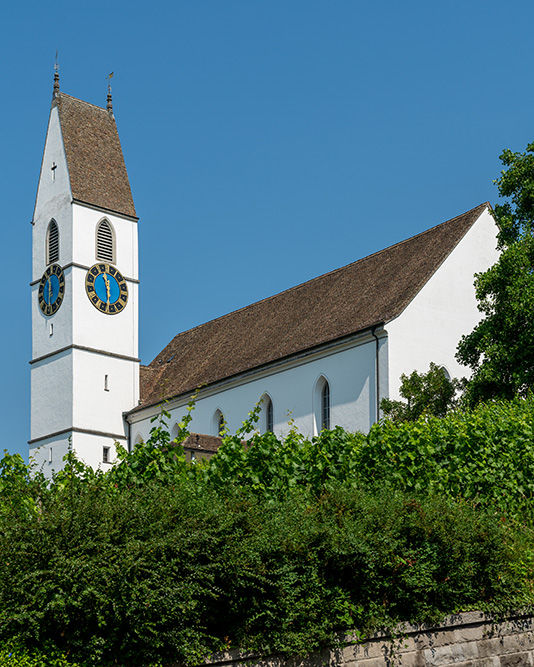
464	640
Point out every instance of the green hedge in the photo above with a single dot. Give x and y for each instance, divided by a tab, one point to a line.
272	545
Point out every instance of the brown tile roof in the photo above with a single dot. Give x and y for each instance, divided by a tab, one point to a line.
368	292
94	156
201	442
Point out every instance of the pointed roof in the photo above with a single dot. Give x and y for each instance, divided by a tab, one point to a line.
95	161
369	292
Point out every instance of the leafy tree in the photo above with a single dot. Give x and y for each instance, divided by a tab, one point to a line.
430	393
515	216
500	349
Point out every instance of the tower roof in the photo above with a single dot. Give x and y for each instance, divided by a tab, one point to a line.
372	291
95	161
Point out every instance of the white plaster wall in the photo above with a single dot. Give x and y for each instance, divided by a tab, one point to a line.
91	328
51	394
40	454
431	326
350	373
94	408
46	339
89	449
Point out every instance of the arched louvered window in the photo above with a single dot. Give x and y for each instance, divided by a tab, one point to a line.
105	242
52	243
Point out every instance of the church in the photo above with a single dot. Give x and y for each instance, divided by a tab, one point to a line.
318	355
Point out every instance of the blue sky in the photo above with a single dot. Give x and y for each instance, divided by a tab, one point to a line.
267	142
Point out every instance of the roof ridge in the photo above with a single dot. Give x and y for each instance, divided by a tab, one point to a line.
316	278
77	99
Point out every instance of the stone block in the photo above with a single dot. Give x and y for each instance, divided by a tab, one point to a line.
490	647
451	655
517	643
433	639
469	633
523	659
495	661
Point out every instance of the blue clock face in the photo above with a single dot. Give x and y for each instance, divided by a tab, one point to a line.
106	288
51	289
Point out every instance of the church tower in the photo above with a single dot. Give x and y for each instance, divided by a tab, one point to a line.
84	368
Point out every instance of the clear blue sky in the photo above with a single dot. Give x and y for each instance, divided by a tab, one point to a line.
267	141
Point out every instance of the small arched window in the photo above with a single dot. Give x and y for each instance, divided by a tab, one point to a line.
52	243
105	242
325	406
219	423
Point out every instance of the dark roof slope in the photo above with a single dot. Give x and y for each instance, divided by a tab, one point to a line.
368	292
97	171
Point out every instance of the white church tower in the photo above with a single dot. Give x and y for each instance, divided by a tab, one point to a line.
85	366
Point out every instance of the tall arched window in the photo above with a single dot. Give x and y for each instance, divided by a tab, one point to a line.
325	406
105	242
267	414
322	405
52	243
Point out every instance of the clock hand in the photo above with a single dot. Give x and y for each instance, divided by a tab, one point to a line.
106	280
49	291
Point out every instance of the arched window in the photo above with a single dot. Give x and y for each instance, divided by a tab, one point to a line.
325	406
175	431
105	242
322	405
219	423
267	414
52	243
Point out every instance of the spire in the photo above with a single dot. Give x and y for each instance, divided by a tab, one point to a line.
109	105
56	79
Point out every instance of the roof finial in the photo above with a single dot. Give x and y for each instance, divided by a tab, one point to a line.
109	105
56	78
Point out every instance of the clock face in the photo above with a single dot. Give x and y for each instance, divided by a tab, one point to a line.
51	289
106	288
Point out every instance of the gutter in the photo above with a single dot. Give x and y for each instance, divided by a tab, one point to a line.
377	371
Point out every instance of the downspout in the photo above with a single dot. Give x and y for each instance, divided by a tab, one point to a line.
377	374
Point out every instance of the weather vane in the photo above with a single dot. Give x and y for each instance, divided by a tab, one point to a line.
56	76
109	105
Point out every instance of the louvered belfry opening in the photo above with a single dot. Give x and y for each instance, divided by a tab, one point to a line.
52	243
104	242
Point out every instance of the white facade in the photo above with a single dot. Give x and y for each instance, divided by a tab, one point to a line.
430	327
350	370
84	368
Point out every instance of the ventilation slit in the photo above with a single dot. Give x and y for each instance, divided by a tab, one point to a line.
104	242
53	243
